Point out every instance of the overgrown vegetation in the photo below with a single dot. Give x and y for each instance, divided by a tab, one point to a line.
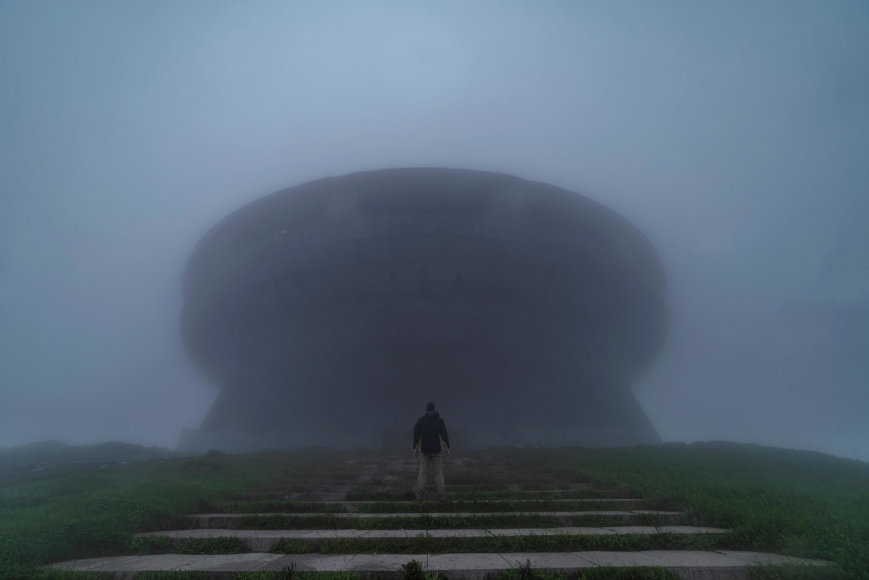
363	494
167	545
791	502
96	511
492	506
799	572
456	522
470	506
412	571
290	574
427	544
798	503
272	506
526	572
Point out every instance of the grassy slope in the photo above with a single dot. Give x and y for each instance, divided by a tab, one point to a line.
792	502
96	511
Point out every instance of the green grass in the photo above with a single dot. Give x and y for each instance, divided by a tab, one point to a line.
167	545
427	544
526	572
283	522
386	507
791	502
269	506
96	511
50	574
361	494
632	573
289	574
797	572
493	506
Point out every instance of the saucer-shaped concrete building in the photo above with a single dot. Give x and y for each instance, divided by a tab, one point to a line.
330	312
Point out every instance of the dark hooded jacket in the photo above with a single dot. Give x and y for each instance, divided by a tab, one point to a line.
428	433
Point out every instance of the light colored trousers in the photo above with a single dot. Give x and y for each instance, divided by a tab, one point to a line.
427	461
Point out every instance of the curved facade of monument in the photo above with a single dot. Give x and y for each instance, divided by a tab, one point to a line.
330	312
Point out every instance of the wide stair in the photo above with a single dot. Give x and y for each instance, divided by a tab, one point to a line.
353	514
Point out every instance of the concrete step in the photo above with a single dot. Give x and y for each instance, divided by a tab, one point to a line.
425	506
216	521
471	494
723	565
327	498
264	540
461	479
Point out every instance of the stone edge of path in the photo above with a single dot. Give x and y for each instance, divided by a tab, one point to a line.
687	564
693	565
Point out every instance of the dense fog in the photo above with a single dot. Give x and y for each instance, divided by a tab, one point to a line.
735	135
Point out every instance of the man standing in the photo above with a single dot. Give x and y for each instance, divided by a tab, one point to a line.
428	435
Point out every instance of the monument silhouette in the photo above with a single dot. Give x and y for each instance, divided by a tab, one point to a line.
328	312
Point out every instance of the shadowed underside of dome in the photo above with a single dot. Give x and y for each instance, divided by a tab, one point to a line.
329	312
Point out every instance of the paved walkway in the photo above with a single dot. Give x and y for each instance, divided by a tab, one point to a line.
288	505
688	564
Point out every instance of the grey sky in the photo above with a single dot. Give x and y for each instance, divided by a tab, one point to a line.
735	134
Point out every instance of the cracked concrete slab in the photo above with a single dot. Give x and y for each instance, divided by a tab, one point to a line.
473	565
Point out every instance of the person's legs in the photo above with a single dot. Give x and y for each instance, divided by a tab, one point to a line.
423	475
438	461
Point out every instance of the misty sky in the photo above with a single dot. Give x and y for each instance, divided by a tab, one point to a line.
734	134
